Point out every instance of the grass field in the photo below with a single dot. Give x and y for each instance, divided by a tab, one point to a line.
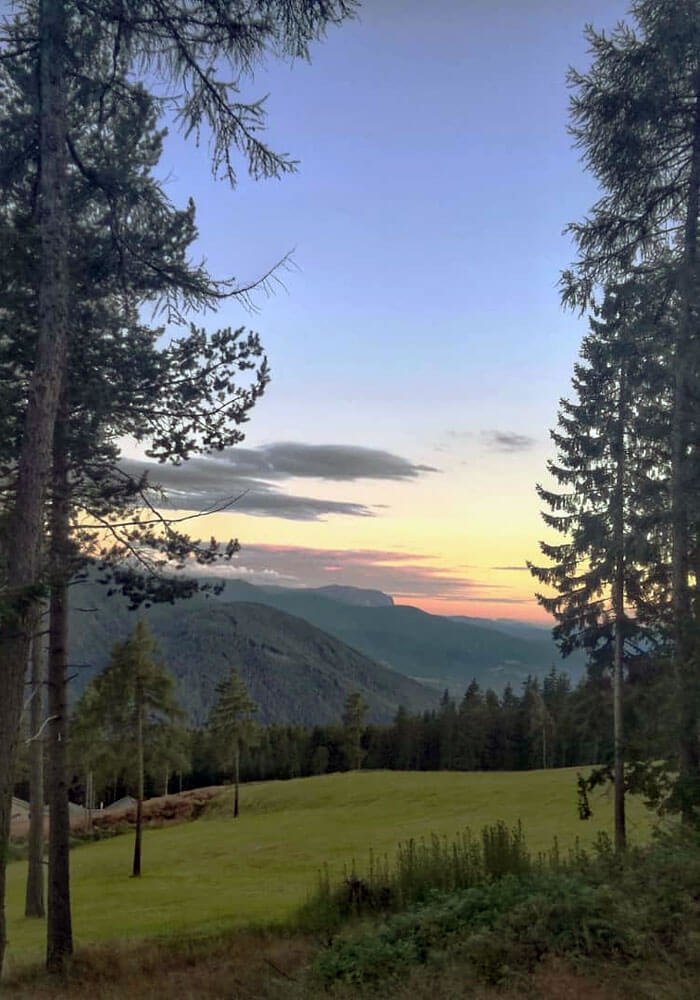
216	874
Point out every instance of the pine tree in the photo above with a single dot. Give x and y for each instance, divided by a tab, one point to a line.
132	708
92	48
353	719
471	729
116	382
231	727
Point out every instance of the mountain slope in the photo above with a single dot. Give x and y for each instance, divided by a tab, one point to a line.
295	672
432	648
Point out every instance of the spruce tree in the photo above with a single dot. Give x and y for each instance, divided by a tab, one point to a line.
353	719
636	116
600	570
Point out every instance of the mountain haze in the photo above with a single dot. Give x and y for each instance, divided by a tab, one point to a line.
294	672
434	649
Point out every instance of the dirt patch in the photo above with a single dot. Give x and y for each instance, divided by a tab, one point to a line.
164	809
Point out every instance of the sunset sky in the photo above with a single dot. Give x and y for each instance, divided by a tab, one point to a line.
418	349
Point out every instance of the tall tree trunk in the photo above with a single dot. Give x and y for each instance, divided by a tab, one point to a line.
89	800
25	532
136	868
34	899
618	605
685	639
236	776
59	939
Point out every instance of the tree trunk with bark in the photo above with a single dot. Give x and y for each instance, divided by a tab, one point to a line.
34	898
236	777
136	868
618	606
59	938
25	534
685	639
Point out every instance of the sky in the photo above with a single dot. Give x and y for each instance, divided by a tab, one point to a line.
417	344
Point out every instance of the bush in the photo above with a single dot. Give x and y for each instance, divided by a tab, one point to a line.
643	905
420	868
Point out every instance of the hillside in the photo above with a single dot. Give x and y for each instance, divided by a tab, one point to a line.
295	672
213	874
434	649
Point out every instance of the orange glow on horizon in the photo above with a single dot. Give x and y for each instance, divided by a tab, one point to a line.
529	612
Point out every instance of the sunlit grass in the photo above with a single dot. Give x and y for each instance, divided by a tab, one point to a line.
216	874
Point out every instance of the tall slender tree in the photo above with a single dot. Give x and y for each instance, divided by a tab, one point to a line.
636	116
129	708
354	712
186	397
602	442
232	727
182	44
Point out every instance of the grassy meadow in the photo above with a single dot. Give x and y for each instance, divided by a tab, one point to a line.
215	874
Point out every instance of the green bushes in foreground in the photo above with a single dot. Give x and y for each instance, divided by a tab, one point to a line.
512	911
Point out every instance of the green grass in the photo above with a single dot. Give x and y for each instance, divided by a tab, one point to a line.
216	874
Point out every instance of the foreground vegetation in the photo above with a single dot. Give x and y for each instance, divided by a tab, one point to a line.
490	906
214	875
445	914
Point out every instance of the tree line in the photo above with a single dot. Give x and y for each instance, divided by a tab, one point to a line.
550	723
129	737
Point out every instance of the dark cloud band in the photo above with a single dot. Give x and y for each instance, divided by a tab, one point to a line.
252	474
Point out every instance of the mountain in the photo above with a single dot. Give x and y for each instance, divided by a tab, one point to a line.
524	630
294	671
430	648
354	595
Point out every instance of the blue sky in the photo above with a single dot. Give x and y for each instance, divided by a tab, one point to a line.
422	315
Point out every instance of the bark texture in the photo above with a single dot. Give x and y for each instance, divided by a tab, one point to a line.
688	686
34	898
136	867
59	934
618	603
24	547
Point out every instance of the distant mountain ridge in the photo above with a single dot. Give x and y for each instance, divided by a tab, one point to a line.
511	626
302	650
295	672
437	650
359	596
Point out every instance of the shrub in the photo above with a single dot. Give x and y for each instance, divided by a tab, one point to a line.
642	905
420	868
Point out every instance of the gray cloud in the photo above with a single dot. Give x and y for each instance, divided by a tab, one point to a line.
197	486
495	440
507	440
335	461
512	569
251	475
295	460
